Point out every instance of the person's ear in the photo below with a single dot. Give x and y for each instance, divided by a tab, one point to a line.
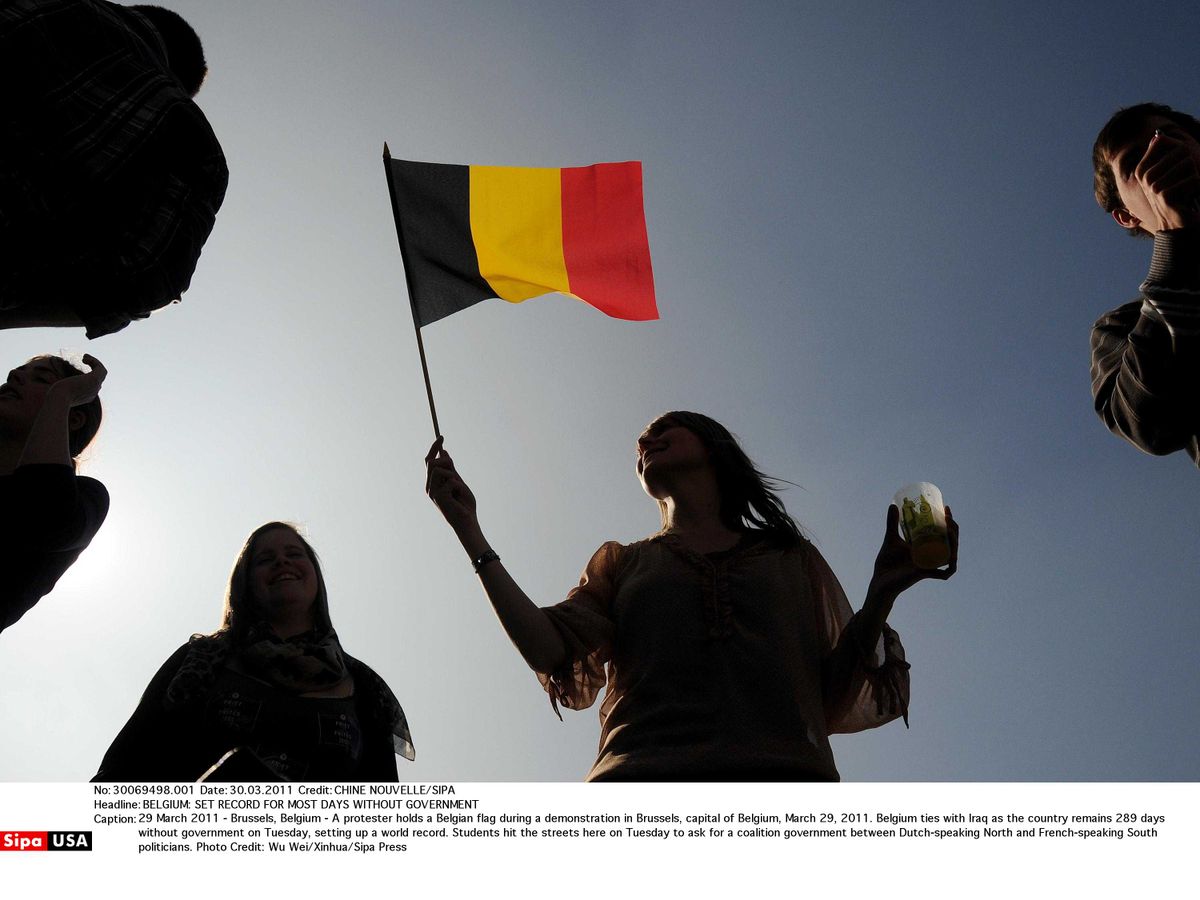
1126	219
76	420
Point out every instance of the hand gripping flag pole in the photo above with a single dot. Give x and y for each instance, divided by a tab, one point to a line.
387	156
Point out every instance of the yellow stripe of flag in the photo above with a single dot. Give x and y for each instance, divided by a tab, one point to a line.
516	224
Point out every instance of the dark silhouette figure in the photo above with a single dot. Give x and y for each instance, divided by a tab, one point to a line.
110	176
1146	353
49	413
272	683
725	645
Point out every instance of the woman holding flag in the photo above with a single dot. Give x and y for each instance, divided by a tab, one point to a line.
727	648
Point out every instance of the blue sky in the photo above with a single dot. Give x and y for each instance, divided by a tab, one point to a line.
877	260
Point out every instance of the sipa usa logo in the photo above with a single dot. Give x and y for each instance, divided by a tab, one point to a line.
45	840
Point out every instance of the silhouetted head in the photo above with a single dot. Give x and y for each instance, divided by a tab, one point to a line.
22	396
680	440
276	577
185	53
1118	148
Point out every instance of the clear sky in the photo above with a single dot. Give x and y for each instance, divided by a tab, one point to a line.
877	260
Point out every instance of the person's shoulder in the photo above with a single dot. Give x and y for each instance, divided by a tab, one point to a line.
166	672
617	553
609	559
175	660
1124	317
611	551
190	671
616	548
357	665
93	488
195	136
364	676
94	501
803	553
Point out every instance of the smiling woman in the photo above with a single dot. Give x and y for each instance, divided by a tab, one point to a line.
49	413
270	695
724	644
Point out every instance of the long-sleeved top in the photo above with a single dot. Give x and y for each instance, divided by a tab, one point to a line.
1146	354
48	515
725	666
110	176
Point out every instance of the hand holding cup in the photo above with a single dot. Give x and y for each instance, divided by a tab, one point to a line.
929	552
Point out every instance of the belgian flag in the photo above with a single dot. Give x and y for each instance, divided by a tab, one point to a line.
468	233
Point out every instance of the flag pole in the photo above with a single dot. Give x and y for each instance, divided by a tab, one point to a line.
387	156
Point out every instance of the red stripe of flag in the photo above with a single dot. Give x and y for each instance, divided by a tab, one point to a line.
605	247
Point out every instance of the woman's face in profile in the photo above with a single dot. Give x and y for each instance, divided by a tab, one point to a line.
282	576
22	395
665	448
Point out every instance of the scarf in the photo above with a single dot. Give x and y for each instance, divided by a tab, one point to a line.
308	662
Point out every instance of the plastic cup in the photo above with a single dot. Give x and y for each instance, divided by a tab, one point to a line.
923	522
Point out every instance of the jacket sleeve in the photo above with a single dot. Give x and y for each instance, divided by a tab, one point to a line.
156	246
163	236
1146	354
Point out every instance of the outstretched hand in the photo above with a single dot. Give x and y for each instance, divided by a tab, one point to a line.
895	572
446	488
83	387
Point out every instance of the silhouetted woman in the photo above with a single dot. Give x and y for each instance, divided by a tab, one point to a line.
49	413
726	644
272	683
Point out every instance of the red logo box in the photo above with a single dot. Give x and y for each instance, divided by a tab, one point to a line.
24	840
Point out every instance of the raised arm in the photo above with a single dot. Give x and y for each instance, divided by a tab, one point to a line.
1146	356
47	507
855	676
49	438
527	625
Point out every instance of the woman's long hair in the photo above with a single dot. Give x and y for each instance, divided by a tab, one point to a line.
241	611
748	497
